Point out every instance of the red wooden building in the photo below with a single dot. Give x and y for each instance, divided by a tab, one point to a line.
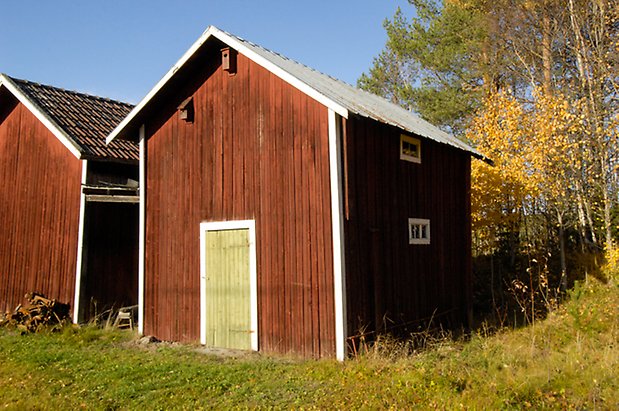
286	211
68	201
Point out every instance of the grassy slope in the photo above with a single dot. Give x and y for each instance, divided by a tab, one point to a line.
568	361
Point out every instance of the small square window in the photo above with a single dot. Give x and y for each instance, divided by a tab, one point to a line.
418	231
410	149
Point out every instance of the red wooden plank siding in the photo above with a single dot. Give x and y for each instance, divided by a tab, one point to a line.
384	274
257	149
39	209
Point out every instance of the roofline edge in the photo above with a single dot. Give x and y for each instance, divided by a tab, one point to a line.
51	125
213	31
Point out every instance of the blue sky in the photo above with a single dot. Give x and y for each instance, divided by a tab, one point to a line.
121	48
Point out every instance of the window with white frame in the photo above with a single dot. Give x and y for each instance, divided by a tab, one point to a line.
410	149
418	231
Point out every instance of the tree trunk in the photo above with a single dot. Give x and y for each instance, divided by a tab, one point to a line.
547	50
562	252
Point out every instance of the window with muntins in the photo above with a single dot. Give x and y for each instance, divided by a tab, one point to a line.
418	231
410	149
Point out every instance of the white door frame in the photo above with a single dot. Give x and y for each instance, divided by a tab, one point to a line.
253	282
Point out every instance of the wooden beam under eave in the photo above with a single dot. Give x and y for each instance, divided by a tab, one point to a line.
112	199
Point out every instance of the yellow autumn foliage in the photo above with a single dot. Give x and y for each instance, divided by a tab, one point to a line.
611	264
534	149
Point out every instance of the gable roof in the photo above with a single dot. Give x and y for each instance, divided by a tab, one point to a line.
333	93
80	121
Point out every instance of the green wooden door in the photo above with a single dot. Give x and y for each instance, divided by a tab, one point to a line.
228	310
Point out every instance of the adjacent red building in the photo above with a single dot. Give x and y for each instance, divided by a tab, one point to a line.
286	211
68	201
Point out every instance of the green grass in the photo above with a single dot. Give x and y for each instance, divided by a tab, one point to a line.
568	361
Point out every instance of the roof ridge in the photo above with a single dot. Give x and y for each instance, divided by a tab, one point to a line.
73	92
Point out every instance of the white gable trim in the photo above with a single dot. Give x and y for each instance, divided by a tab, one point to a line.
279	72
43	118
241	48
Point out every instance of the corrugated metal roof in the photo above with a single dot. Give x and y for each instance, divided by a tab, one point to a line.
335	94
84	119
355	100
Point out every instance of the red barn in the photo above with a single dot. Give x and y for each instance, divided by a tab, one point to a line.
68	202
286	211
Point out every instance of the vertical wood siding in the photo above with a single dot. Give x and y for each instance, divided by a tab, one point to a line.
257	149
388	278
39	209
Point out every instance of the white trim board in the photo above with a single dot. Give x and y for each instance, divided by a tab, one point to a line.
253	280
233	42
142	230
40	115
337	219
77	308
